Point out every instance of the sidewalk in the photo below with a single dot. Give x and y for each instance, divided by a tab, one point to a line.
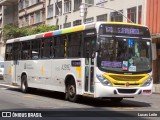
156	87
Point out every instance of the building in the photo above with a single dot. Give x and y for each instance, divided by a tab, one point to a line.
8	15
21	13
153	22
66	13
31	12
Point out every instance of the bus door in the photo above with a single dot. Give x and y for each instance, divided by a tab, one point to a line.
89	53
16	51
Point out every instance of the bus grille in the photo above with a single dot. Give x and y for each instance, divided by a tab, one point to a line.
127	90
126	80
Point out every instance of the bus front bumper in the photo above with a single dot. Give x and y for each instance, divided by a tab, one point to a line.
125	92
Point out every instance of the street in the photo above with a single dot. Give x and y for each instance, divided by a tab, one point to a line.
12	99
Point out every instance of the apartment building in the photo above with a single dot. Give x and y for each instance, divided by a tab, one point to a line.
8	15
66	13
31	12
22	13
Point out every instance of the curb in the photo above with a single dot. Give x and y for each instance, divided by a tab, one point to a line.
11	86
156	88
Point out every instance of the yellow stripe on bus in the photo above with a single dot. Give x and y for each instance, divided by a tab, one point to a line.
78	69
10	70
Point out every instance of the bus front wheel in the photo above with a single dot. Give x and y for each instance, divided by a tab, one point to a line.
24	84
71	91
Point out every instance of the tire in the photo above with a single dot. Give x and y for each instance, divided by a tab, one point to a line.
24	84
116	100
71	91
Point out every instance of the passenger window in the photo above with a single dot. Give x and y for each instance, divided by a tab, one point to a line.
35	52
26	54
46	48
74	45
59	46
9	55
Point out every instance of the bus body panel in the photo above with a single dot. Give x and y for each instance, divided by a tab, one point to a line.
9	72
47	74
109	91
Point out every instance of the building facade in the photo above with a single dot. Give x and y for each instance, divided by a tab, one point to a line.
8	15
66	13
153	22
31	12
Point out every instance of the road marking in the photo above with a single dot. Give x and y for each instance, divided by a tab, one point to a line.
120	108
128	108
28	96
3	88
11	86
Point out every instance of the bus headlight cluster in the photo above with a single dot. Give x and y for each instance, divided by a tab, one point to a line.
147	82
103	80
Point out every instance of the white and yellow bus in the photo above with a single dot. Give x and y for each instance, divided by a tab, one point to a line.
101	60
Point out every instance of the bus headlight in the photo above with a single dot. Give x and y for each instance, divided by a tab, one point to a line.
147	82
103	80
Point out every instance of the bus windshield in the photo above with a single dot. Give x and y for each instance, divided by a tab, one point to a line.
124	55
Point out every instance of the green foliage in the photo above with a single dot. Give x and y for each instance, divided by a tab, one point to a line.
12	31
41	28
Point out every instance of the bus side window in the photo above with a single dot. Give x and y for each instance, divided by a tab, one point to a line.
59	46
16	51
52	48
74	45
45	48
25	50
9	54
35	49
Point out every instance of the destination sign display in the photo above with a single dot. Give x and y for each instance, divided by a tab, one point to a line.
124	30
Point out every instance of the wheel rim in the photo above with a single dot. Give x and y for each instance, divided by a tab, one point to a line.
72	91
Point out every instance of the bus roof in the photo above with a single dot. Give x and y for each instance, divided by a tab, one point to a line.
67	30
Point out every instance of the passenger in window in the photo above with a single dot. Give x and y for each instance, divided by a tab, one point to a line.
128	54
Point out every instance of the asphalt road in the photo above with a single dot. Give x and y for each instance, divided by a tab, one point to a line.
12	99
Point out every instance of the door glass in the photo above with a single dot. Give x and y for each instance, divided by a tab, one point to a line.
89	54
92	80
86	78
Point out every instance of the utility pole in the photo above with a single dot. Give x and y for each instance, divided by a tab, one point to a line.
59	13
83	10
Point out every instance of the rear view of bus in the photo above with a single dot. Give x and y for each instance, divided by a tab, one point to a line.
124	61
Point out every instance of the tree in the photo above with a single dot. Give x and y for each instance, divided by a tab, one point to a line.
41	28
12	31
